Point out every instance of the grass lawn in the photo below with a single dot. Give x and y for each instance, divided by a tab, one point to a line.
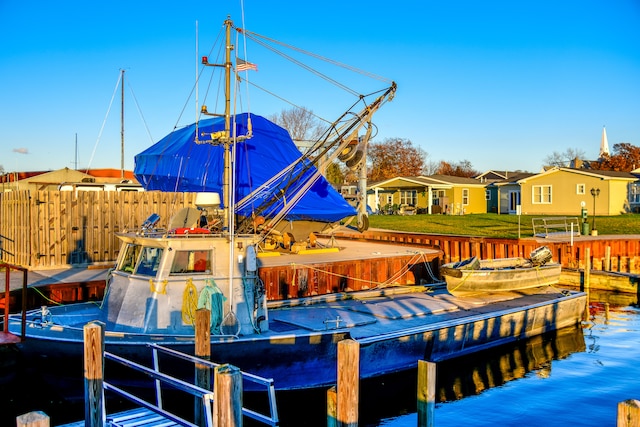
493	225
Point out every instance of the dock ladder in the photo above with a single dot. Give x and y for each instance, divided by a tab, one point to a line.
152	411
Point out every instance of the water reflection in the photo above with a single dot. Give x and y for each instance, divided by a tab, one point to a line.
393	395
473	374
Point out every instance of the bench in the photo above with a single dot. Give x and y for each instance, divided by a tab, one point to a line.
555	226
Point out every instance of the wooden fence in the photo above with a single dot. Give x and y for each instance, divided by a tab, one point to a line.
54	229
51	229
611	253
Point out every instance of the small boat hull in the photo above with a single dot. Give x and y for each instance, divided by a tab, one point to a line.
506	274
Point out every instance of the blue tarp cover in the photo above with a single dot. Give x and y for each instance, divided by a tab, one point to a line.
177	163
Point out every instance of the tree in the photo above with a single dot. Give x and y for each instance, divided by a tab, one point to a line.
394	157
562	160
626	159
462	168
302	124
334	174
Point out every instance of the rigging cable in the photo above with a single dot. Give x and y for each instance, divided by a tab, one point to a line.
115	90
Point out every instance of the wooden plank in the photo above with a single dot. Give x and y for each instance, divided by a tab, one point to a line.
628	413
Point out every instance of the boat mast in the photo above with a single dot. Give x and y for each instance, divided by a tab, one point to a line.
226	183
122	124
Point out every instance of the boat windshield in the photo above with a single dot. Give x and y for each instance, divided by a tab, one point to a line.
149	261
191	262
140	260
130	257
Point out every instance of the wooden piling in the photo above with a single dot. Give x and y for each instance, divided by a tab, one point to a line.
607	258
587	279
202	350
587	269
628	413
426	403
332	407
348	388
33	419
227	405
94	415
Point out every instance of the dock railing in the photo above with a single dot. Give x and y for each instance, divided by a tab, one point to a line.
6	336
206	403
560	225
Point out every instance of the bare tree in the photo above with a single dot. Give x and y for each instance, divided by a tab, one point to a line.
430	167
301	123
563	160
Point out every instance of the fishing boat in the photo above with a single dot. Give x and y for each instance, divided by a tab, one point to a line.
503	274
262	203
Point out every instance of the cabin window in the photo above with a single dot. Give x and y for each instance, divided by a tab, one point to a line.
130	258
188	262
487	194
149	261
541	194
465	196
580	189
409	197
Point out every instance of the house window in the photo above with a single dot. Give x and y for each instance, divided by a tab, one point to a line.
541	194
409	197
634	193
580	189
487	195
465	196
437	195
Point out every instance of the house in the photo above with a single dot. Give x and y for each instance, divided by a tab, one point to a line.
503	196
428	194
565	191
495	176
53	180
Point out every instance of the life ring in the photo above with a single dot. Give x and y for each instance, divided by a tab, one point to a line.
194	230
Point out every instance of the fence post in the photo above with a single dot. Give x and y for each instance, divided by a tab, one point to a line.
203	351
227	404
94	415
628	413
33	419
426	393
348	382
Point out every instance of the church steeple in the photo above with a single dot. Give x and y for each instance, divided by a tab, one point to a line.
604	144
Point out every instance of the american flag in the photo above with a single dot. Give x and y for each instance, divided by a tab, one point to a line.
242	65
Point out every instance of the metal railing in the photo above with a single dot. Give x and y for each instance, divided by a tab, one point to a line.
162	379
7	296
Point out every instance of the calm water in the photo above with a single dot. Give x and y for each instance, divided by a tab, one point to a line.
574	377
579	389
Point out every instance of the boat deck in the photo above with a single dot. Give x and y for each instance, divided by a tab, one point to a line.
368	317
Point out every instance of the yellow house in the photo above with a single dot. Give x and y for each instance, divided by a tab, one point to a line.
428	194
565	191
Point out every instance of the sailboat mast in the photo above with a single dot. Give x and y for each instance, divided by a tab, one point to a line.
122	124
226	185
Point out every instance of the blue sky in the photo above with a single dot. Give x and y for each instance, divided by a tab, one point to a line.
502	84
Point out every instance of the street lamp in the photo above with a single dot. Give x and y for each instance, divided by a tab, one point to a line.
595	192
